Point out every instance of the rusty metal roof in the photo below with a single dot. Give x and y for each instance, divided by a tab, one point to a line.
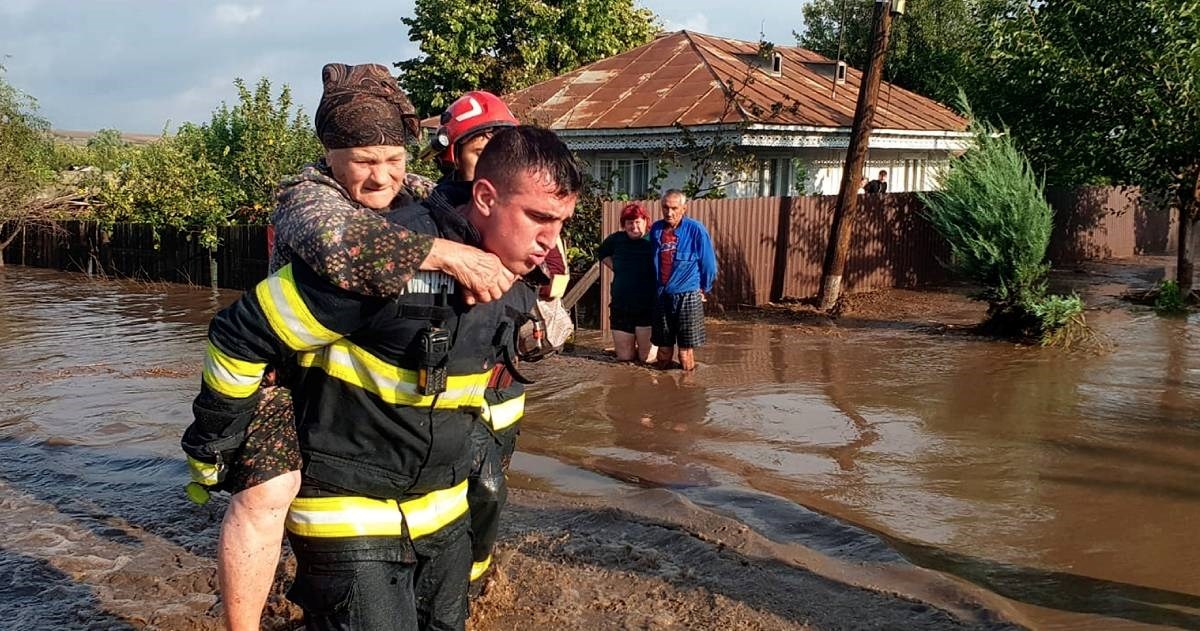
687	78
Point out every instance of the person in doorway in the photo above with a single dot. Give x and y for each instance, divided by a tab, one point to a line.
329	217
630	255
878	186
685	266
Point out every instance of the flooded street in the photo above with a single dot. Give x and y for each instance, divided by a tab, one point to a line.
1068	483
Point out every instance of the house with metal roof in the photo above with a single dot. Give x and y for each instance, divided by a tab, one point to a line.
748	119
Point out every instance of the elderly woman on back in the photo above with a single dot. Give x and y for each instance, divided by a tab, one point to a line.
630	255
330	216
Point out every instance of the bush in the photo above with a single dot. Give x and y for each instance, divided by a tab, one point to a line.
26	164
254	145
26	153
1060	320
167	185
206	175
992	213
582	231
1170	300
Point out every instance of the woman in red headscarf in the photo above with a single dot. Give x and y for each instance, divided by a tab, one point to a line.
630	255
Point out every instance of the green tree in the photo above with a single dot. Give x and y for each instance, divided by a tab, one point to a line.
991	210
507	45
26	160
1105	93
934	47
168	185
254	145
206	175
108	151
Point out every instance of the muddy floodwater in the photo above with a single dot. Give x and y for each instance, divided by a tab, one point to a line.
1064	485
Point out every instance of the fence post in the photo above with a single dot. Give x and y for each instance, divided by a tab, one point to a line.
212	268
783	235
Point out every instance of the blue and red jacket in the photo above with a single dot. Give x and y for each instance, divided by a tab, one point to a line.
695	265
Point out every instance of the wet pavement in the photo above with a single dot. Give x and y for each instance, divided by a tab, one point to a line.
1066	482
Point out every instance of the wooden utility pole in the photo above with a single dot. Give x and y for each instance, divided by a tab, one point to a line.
856	155
1188	241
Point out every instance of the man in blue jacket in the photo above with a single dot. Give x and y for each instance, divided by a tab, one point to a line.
686	266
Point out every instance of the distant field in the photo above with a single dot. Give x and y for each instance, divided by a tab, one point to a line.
81	137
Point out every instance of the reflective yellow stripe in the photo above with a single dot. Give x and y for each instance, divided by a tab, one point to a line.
434	511
203	472
558	285
398	386
479	567
502	415
288	315
362	516
344	517
234	378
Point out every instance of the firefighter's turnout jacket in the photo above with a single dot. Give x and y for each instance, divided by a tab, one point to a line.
381	456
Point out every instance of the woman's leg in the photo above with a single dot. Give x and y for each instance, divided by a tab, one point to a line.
264	478
248	550
623	342
644	347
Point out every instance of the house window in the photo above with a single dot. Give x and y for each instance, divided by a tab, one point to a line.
626	176
777	64
775	177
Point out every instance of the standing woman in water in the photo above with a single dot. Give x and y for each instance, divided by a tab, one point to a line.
630	255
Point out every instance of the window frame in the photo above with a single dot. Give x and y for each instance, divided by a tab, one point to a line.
632	180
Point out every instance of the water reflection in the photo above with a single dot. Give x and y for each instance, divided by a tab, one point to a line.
1065	481
1070	477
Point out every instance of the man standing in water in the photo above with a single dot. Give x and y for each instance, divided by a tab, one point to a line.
686	267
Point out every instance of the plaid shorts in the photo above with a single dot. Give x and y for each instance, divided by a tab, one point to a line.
678	320
271	448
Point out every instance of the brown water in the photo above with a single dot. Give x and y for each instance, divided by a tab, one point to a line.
1066	482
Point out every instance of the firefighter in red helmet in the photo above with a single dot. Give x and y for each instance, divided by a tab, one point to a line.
464	130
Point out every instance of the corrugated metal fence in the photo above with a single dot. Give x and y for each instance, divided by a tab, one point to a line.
768	248
892	244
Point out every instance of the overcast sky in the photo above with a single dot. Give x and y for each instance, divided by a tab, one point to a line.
135	65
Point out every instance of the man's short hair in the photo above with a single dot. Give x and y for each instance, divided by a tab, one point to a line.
527	148
683	198
883	173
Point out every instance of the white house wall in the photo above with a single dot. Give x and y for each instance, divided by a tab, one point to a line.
677	177
907	170
912	158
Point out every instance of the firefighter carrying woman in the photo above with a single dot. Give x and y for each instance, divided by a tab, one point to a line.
376	322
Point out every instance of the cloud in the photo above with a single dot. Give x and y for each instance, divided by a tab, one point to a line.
17	8
135	65
236	14
697	22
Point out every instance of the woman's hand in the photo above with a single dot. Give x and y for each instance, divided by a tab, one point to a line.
480	274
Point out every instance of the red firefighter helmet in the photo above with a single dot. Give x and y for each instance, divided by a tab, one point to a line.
471	114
